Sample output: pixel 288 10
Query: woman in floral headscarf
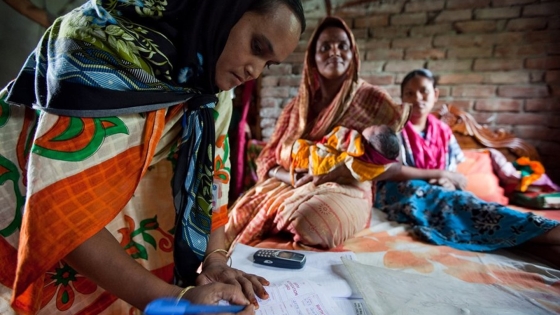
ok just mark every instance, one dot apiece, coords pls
pixel 320 211
pixel 112 88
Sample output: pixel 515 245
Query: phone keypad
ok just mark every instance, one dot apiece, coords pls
pixel 265 253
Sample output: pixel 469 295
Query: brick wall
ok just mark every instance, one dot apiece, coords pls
pixel 497 59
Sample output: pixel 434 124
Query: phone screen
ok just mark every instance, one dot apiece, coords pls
pixel 285 255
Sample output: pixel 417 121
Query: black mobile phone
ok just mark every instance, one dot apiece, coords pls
pixel 279 258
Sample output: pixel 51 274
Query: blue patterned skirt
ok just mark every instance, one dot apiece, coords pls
pixel 457 218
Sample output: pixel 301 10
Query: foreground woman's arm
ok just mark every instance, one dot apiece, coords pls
pixel 103 260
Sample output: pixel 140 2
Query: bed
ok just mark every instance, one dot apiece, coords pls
pixel 387 244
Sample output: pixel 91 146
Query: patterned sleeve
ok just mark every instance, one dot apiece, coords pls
pixel 455 156
pixel 222 164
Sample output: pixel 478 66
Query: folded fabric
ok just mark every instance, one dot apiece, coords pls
pixel 481 180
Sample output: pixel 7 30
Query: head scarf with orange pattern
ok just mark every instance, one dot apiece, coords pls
pixel 356 105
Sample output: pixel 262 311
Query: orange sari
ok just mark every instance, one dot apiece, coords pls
pixel 326 215
pixel 58 187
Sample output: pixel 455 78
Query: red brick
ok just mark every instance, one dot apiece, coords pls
pixel 393 90
pixel 450 65
pixel 385 54
pixel 372 66
pixel 527 119
pixel 507 3
pixel 376 44
pixel 473 91
pixel 302 46
pixel 371 21
pixel 547 36
pixel 409 19
pixel 295 57
pixel 389 32
pixel 424 6
pixel 470 40
pixel 526 24
pixel 484 118
pixel 525 50
pixel 536 76
pixel 551 8
pixel 507 77
pixel 537 132
pixel 467 4
pixel 554 22
pixel 403 66
pixel 552 76
pixel 433 54
pixel 476 26
pixel 548 148
pixel 553 49
pixel 453 15
pixel 277 91
pixel 469 52
pixel 497 13
pixel 388 7
pixel 270 80
pixel 270 112
pixel 555 88
pixel 497 64
pixel 436 29
pixel 417 42
pixel 460 78
pixel 293 80
pixel 361 33
pixel 498 105
pixel 270 102
pixel 543 105
pixel 443 90
pixel 382 79
pixel 267 122
pixel 523 91
pixel 465 105
pixel 281 69
pixel 545 63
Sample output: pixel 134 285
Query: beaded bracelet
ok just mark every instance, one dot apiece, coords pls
pixel 180 296
pixel 219 250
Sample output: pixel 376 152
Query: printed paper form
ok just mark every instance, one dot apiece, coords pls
pixel 323 268
pixel 395 292
pixel 297 297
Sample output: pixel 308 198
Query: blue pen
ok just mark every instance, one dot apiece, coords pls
pixel 169 306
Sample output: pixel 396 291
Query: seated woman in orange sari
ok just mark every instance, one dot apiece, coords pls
pixel 324 210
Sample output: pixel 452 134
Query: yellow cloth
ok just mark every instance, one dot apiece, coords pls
pixel 339 146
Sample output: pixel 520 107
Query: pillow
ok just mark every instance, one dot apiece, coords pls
pixel 481 180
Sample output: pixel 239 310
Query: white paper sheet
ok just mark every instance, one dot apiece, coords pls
pixel 297 296
pixel 323 268
pixel 395 292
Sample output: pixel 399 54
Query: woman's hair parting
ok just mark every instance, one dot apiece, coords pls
pixel 268 6
pixel 418 72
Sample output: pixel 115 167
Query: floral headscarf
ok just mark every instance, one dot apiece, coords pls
pixel 117 57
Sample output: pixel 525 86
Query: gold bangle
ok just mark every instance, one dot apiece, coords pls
pixel 180 296
pixel 219 250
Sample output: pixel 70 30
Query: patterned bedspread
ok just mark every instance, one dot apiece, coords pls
pixel 388 245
